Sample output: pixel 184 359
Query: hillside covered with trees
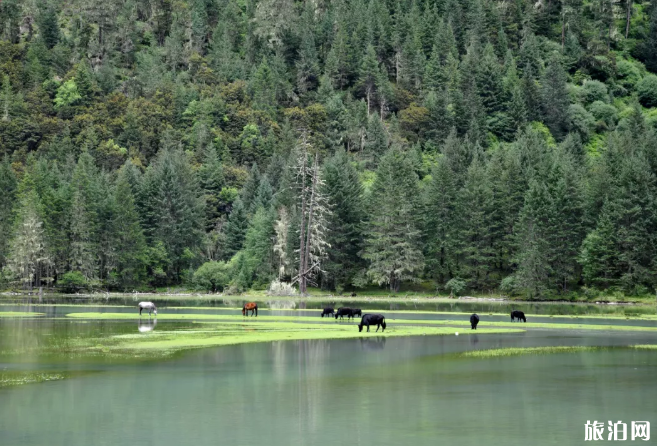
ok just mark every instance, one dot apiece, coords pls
pixel 224 144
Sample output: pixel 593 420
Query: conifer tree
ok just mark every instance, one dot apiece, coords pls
pixel 29 258
pixel 345 236
pixel 441 223
pixel 393 243
pixel 236 229
pixel 555 99
pixel 8 185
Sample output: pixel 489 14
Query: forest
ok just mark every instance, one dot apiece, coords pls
pixel 227 145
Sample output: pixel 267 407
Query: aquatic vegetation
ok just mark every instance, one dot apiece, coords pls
pixel 20 378
pixel 19 314
pixel 514 351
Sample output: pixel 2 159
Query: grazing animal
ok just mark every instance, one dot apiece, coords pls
pixel 474 320
pixel 515 314
pixel 328 311
pixel 356 312
pixel 250 306
pixel 150 306
pixel 372 319
pixel 353 294
pixel 344 311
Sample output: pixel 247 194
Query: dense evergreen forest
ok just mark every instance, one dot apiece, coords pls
pixel 474 145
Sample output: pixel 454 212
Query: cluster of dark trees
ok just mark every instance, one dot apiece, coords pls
pixel 487 144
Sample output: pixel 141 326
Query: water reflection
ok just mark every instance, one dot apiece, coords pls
pixel 374 343
pixel 474 339
pixel 146 326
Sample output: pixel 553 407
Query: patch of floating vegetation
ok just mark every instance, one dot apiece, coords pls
pixel 19 314
pixel 518 351
pixel 464 323
pixel 11 379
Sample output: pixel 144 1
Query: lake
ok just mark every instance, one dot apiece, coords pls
pixel 360 391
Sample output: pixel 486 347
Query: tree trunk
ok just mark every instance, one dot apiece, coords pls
pixel 304 271
pixel 302 239
pixel 627 20
pixel 563 30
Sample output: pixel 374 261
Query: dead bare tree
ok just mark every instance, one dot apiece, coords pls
pixel 312 226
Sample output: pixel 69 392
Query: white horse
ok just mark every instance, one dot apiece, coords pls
pixel 150 306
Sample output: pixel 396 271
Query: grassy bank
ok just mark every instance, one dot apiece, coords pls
pixel 19 314
pixel 323 322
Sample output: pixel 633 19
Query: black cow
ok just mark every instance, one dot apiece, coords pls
pixel 344 311
pixel 372 319
pixel 474 320
pixel 328 311
pixel 356 312
pixel 515 314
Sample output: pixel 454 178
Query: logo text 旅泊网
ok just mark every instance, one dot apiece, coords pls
pixel 616 431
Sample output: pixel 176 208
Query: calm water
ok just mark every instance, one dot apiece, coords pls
pixel 369 391
pixel 411 304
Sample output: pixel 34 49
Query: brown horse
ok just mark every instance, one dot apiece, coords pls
pixel 250 306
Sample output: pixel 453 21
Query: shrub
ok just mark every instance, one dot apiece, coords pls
pixel 594 91
pixel 581 121
pixel 509 285
pixel 628 74
pixel 647 90
pixel 73 281
pixel 211 276
pixel 455 286
pixel 604 112
pixel 278 288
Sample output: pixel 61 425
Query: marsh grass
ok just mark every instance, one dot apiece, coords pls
pixel 19 378
pixel 317 321
pixel 19 314
pixel 517 351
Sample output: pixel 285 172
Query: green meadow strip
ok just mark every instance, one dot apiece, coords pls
pixel 457 323
pixel 267 332
pixel 645 347
pixel 19 314
pixel 504 352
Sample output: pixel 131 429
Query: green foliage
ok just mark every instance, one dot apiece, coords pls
pixel 67 95
pixel 212 276
pixel 455 139
pixel 392 245
pixel 455 286
pixel 647 90
pixel 73 281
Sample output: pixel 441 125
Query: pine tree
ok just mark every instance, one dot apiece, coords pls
pixel 307 64
pixel 534 271
pixel 393 243
pixel 345 237
pixel 235 229
pixel 48 26
pixel 211 177
pixel 8 185
pixel 126 235
pixel 174 206
pixel 368 75
pixel 250 189
pixel 474 209
pixel 29 258
pixel 441 223
pixel 555 100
